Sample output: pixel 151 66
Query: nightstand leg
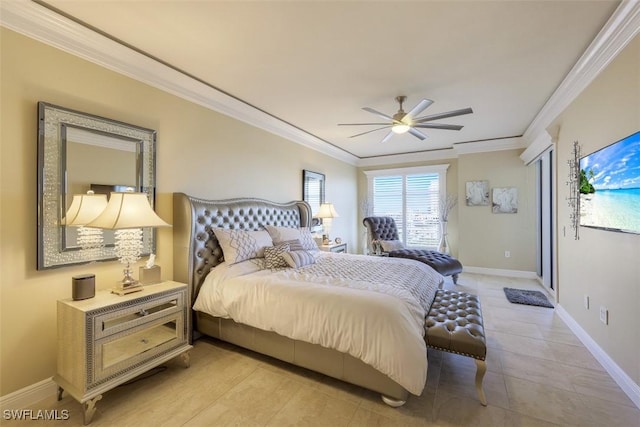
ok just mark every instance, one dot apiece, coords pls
pixel 90 408
pixel 186 358
pixel 60 391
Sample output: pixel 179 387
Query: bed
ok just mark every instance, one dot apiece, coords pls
pixel 393 368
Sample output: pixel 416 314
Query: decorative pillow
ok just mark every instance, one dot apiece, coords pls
pixel 284 234
pixel 273 256
pixel 391 245
pixel 241 245
pixel 294 245
pixel 297 259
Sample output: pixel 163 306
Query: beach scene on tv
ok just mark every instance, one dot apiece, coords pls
pixel 610 187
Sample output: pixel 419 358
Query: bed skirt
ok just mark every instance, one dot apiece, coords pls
pixel 329 362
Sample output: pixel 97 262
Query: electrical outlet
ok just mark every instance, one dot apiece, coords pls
pixel 507 254
pixel 604 315
pixel 586 302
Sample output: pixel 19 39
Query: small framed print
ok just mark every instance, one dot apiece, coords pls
pixel 477 193
pixel 505 200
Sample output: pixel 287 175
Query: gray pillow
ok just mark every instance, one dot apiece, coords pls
pixel 273 256
pixel 297 259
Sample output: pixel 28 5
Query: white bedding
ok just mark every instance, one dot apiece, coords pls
pixel 372 308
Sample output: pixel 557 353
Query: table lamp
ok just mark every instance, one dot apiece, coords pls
pixel 128 213
pixel 327 212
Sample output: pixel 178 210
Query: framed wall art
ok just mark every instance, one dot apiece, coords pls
pixel 477 193
pixel 505 200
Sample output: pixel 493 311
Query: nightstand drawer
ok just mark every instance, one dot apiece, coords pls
pixel 120 320
pixel 118 352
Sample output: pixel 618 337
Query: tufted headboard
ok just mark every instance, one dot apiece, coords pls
pixel 195 247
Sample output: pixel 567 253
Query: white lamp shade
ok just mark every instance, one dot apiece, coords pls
pixel 327 211
pixel 84 208
pixel 127 210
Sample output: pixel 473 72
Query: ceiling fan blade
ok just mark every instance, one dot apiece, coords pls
pixel 388 137
pixel 437 126
pixel 363 124
pixel 443 115
pixel 369 131
pixel 419 108
pixel 415 132
pixel 378 113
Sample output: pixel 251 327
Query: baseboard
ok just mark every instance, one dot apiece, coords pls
pixel 499 272
pixel 28 396
pixel 625 382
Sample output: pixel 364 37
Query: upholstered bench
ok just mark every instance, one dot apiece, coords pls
pixel 383 229
pixel 454 324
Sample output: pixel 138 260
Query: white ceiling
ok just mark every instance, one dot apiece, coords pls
pixel 314 64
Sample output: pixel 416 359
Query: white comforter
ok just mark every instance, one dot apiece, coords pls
pixel 372 308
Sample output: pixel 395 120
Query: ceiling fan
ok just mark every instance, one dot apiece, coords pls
pixel 402 122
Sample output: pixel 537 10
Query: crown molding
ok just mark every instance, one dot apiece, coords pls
pixel 38 22
pixel 536 148
pixel 619 30
pixel 489 145
pixel 420 156
pixel 510 143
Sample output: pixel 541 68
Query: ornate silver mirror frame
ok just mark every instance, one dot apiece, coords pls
pixel 78 152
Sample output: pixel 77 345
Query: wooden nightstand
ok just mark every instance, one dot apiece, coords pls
pixel 109 339
pixel 334 247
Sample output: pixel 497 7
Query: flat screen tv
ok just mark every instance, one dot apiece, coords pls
pixel 610 187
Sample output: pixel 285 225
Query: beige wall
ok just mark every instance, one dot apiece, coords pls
pixel 477 236
pixel 602 264
pixel 485 236
pixel 199 152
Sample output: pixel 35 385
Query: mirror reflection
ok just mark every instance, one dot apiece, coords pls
pixel 116 171
pixel 77 153
pixel 313 192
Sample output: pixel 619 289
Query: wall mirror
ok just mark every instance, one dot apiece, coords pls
pixel 313 192
pixel 78 152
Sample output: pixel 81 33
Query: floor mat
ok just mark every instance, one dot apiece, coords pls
pixel 523 296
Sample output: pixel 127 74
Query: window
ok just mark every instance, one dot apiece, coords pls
pixel 411 196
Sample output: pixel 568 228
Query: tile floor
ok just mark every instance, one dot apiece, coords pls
pixel 539 374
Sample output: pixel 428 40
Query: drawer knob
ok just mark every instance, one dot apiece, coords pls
pixel 144 341
pixel 143 312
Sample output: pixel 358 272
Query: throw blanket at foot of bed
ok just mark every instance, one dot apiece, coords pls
pixel 454 324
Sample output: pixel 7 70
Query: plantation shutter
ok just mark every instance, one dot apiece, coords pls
pixel 388 200
pixel 422 202
pixel 412 199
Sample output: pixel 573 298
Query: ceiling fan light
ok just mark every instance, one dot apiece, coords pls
pixel 400 128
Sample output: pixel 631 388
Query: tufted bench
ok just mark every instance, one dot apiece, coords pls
pixel 454 324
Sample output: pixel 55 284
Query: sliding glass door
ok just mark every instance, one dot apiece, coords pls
pixel 545 218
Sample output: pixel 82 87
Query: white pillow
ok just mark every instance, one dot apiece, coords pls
pixel 297 259
pixel 284 234
pixel 241 245
pixel 391 245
